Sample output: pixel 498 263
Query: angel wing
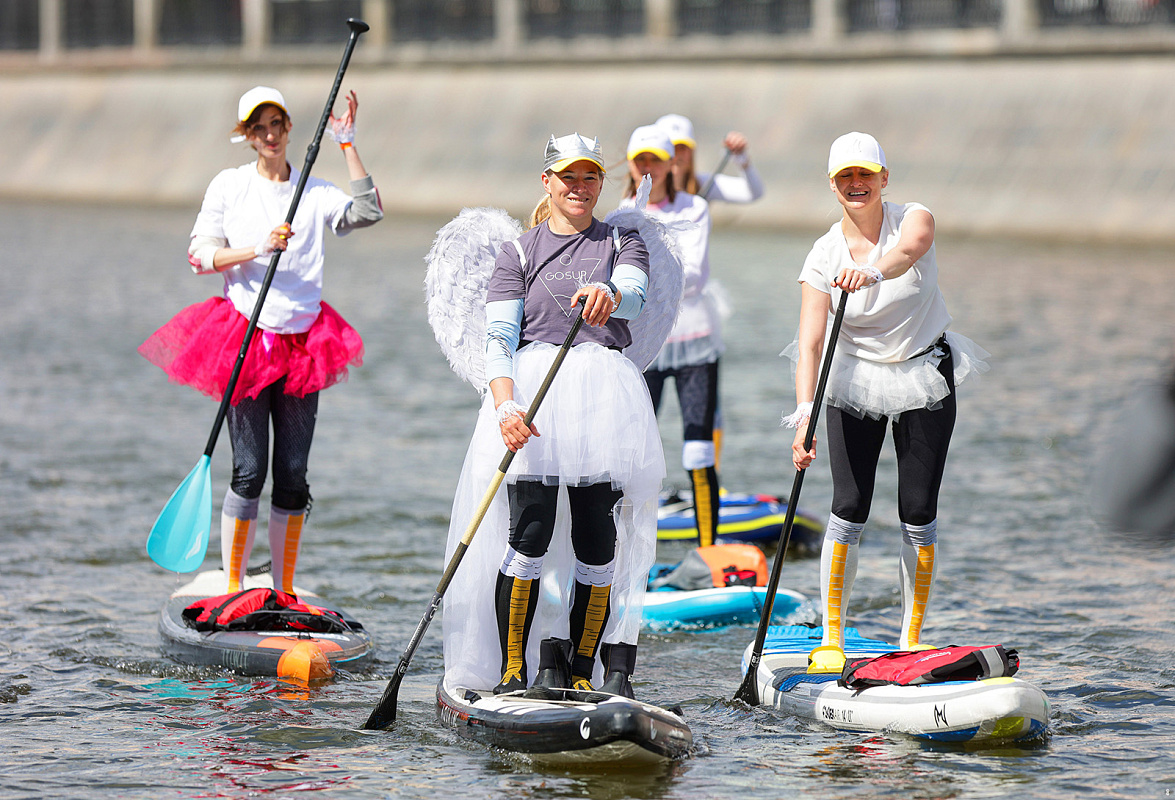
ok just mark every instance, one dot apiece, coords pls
pixel 666 285
pixel 455 285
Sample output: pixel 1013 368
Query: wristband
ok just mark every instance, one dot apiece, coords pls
pixel 874 273
pixel 796 418
pixel 345 145
pixel 263 250
pixel 510 409
pixel 609 291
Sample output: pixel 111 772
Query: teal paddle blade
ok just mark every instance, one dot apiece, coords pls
pixel 179 537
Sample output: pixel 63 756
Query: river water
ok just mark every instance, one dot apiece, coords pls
pixel 93 440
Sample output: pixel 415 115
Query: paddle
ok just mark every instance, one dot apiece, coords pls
pixel 384 713
pixel 748 692
pixel 179 538
pixel 705 193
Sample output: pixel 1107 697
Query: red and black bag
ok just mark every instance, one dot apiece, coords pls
pixel 263 610
pixel 910 668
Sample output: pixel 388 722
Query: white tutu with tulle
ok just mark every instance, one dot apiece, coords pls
pixel 596 424
pixel 874 389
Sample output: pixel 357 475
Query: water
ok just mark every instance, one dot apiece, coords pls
pixel 93 440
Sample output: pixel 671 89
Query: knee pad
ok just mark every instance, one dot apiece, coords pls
pixel 920 535
pixel 843 531
pixel 240 507
pixel 516 565
pixel 697 454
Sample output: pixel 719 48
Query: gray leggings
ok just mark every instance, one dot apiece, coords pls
pixel 293 430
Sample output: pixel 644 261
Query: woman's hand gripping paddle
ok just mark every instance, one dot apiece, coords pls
pixel 384 713
pixel 748 692
pixel 179 538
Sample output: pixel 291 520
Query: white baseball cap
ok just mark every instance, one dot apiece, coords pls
pixel 679 128
pixel 855 150
pixel 650 139
pixel 259 96
pixel 561 153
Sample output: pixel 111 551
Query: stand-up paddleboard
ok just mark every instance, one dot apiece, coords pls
pixel 741 518
pixel 995 709
pixel 721 584
pixel 577 728
pixel 711 608
pixel 282 654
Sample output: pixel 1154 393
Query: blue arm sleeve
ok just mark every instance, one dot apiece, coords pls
pixel 633 283
pixel 503 330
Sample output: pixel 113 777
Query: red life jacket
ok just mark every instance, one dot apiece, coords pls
pixel 905 668
pixel 263 610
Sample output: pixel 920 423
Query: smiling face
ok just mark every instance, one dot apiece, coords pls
pixel 574 192
pixel 268 130
pixel 857 187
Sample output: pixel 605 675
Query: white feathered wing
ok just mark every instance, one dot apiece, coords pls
pixel 666 285
pixel 460 263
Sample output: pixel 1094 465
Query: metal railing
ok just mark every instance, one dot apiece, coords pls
pixel 495 29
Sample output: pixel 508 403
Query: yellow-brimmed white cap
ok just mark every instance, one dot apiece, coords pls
pixel 855 150
pixel 650 139
pixel 259 96
pixel 679 128
pixel 566 150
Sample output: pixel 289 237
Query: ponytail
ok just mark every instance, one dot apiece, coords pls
pixel 541 212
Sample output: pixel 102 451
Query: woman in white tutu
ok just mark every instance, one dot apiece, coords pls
pixel 572 561
pixel 896 364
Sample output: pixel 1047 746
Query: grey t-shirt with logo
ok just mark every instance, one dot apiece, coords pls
pixel 556 267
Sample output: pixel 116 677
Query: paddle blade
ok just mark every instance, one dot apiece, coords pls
pixel 384 713
pixel 179 538
pixel 748 692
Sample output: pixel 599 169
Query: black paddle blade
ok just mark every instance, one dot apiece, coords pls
pixel 384 713
pixel 748 692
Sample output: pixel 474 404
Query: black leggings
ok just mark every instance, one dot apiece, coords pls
pixel 697 392
pixel 921 438
pixel 293 431
pixel 593 529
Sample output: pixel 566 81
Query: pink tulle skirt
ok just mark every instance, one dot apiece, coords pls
pixel 198 347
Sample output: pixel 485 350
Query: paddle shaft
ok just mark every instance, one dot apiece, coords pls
pixel 357 27
pixel 748 692
pixel 705 193
pixel 384 713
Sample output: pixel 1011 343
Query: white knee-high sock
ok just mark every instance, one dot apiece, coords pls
pixel 916 570
pixel 838 570
pixel 285 542
pixel 238 525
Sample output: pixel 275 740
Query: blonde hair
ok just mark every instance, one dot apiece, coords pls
pixel 541 213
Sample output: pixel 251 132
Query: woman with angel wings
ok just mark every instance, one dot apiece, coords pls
pixel 569 547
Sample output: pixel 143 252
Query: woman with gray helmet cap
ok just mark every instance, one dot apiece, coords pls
pixel 303 345
pixel 568 550
pixel 691 354
pixel 896 365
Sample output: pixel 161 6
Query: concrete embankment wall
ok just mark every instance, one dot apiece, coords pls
pixel 1064 148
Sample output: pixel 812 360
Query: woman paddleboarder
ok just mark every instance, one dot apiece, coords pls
pixel 560 564
pixel 713 187
pixel 896 365
pixel 303 345
pixel 690 354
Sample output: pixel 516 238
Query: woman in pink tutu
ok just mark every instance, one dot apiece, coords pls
pixel 302 345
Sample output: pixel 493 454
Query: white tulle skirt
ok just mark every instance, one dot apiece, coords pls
pixel 874 389
pixel 596 425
